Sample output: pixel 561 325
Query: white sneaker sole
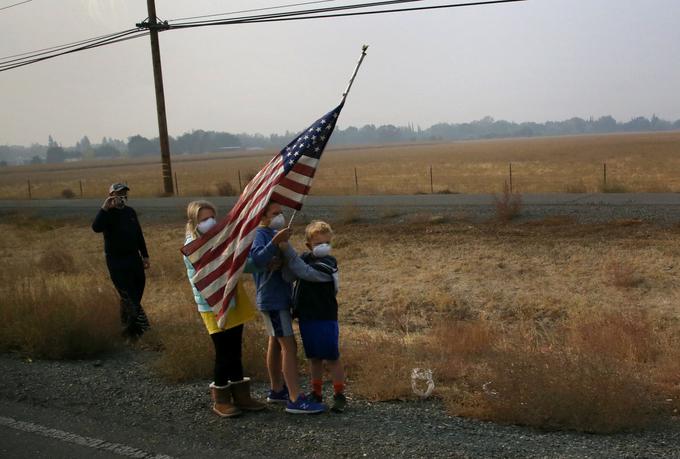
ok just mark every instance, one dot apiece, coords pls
pixel 294 411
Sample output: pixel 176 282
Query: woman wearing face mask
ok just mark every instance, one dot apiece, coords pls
pixel 230 390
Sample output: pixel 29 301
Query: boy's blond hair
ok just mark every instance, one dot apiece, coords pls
pixel 317 227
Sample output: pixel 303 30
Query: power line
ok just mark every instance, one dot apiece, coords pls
pixel 264 17
pixel 16 4
pixel 128 35
pixel 31 57
pixel 251 10
pixel 65 45
pixel 332 12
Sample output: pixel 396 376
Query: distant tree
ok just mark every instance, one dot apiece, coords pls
pixel 51 142
pixel 106 151
pixel 140 146
pixel 3 163
pixel 36 160
pixel 55 154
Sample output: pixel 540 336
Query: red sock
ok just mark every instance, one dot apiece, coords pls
pixel 338 387
pixel 317 385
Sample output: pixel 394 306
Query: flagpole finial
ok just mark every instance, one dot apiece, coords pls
pixel 354 74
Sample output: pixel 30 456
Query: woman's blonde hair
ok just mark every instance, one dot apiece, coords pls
pixel 193 209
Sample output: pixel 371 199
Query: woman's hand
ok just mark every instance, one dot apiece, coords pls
pixel 146 263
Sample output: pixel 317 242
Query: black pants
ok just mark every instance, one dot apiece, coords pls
pixel 228 366
pixel 127 274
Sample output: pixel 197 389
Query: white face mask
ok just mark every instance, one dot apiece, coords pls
pixel 205 225
pixel 120 201
pixel 277 222
pixel 321 250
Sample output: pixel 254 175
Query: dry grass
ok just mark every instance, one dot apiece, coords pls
pixel 519 323
pixel 635 162
pixel 53 316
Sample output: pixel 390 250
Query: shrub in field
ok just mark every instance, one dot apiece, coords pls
pixel 508 205
pixel 56 260
pixel 622 275
pixel 594 374
pixel 557 389
pixel 383 373
pixel 187 353
pixel 226 189
pixel 67 193
pixel 349 213
pixel 613 188
pixel 59 317
pixel 576 187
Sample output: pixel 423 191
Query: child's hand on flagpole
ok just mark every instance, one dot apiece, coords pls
pixel 281 236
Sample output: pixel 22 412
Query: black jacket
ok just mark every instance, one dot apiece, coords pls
pixel 122 232
pixel 316 300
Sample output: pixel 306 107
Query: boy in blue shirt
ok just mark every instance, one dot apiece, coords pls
pixel 274 300
pixel 316 307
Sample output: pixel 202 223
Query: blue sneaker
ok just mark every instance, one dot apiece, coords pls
pixel 278 397
pixel 304 406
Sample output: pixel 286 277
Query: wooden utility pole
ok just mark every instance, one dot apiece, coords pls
pixel 154 26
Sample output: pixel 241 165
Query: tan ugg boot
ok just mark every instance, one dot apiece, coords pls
pixel 222 406
pixel 242 399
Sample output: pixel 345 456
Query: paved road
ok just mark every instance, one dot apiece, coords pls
pixel 595 206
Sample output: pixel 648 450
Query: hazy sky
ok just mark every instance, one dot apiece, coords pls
pixel 533 61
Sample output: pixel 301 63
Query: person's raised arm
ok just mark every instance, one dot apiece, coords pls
pixel 295 267
pixel 262 251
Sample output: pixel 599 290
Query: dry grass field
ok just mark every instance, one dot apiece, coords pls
pixel 550 323
pixel 647 162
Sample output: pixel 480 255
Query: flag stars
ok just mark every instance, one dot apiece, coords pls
pixel 318 129
pixel 323 121
pixel 330 126
pixel 317 149
pixel 335 115
pixel 323 137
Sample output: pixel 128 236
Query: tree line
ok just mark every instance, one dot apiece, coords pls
pixel 199 141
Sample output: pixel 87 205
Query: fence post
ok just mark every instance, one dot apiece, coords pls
pixel 176 184
pixel 81 188
pixel 604 174
pixel 431 182
pixel 240 186
pixel 510 166
pixel 29 189
pixel 356 181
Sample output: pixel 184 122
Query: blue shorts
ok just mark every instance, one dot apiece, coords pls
pixel 320 339
pixel 278 323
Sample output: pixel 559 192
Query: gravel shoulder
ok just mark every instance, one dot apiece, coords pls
pixel 119 398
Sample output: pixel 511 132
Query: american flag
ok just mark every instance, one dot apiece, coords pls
pixel 220 254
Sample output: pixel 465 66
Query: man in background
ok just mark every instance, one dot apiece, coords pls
pixel 126 257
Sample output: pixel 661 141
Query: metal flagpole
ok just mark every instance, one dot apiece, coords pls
pixel 344 97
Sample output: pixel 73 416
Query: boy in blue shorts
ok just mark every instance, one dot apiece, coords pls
pixel 316 307
pixel 274 300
